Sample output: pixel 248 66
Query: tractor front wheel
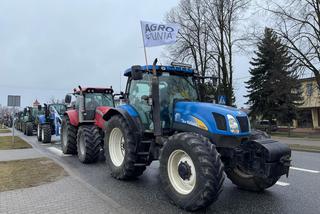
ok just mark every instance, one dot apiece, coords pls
pixel 89 144
pixel 191 171
pixel 249 182
pixel 120 149
pixel 46 133
pixel 68 137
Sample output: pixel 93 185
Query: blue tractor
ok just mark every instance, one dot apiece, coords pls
pixel 49 123
pixel 195 142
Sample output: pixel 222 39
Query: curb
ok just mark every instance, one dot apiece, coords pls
pixel 303 148
pixel 115 206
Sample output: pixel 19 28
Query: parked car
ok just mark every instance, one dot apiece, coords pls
pixel 266 125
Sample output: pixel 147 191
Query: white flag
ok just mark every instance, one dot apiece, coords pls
pixel 158 34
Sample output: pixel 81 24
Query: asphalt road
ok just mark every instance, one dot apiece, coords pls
pixel 300 193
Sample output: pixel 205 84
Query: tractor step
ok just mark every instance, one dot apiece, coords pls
pixel 139 164
pixel 143 153
pixel 145 142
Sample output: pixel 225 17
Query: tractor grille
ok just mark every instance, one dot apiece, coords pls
pixel 220 121
pixel 244 124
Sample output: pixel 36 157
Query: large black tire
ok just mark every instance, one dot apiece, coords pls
pixel 205 164
pixel 39 137
pixel 46 133
pixel 249 182
pixel 89 141
pixel 29 129
pixel 68 137
pixel 127 169
pixel 23 128
pixel 244 180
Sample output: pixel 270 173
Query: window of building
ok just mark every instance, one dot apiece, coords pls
pixel 309 89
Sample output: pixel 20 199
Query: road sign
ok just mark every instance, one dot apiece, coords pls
pixel 222 99
pixel 14 100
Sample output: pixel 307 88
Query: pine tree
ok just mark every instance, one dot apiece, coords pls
pixel 273 88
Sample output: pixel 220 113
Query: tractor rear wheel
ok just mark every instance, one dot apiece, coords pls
pixel 191 171
pixel 249 182
pixel 39 133
pixel 89 141
pixel 68 137
pixel 29 129
pixel 46 133
pixel 120 149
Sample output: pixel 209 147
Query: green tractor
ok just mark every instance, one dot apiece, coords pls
pixel 18 120
pixel 196 142
pixel 28 123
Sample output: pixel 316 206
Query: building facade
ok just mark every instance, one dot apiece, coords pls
pixel 309 111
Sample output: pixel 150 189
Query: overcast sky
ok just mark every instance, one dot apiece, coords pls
pixel 48 47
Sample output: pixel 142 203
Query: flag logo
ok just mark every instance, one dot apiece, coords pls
pixel 158 34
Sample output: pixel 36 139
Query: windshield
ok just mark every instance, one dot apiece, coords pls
pixel 172 87
pixel 93 100
pixel 60 108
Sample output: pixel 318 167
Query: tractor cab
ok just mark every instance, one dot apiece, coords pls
pixel 88 99
pixel 175 84
pixel 58 108
pixel 30 113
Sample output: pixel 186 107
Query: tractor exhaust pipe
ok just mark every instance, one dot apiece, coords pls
pixel 81 105
pixel 156 103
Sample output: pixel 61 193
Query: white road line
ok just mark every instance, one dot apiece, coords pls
pixel 280 183
pixel 304 170
pixel 57 151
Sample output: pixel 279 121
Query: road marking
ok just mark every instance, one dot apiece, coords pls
pixel 280 183
pixel 57 151
pixel 304 170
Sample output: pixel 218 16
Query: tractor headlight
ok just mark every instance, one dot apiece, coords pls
pixel 233 124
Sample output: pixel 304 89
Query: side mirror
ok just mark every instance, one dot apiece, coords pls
pixel 136 72
pixel 39 107
pixel 67 99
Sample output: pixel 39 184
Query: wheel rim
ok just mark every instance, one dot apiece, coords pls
pixel 82 146
pixel 182 184
pixel 116 146
pixel 38 131
pixel 42 134
pixel 242 173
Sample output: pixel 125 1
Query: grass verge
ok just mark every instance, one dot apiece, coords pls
pixel 4 131
pixel 6 143
pixel 28 173
pixel 296 135
pixel 304 148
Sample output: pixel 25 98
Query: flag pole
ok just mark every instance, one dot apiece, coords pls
pixel 145 56
pixel 144 47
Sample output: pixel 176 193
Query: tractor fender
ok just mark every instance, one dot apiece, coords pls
pixel 133 122
pixel 100 112
pixel 73 117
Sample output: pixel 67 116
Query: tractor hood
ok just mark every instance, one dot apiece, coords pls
pixel 210 117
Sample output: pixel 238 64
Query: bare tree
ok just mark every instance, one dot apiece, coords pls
pixel 298 23
pixel 222 21
pixel 192 44
pixel 206 38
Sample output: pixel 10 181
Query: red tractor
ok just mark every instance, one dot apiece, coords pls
pixel 83 123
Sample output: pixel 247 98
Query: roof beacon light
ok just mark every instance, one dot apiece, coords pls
pixel 179 64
